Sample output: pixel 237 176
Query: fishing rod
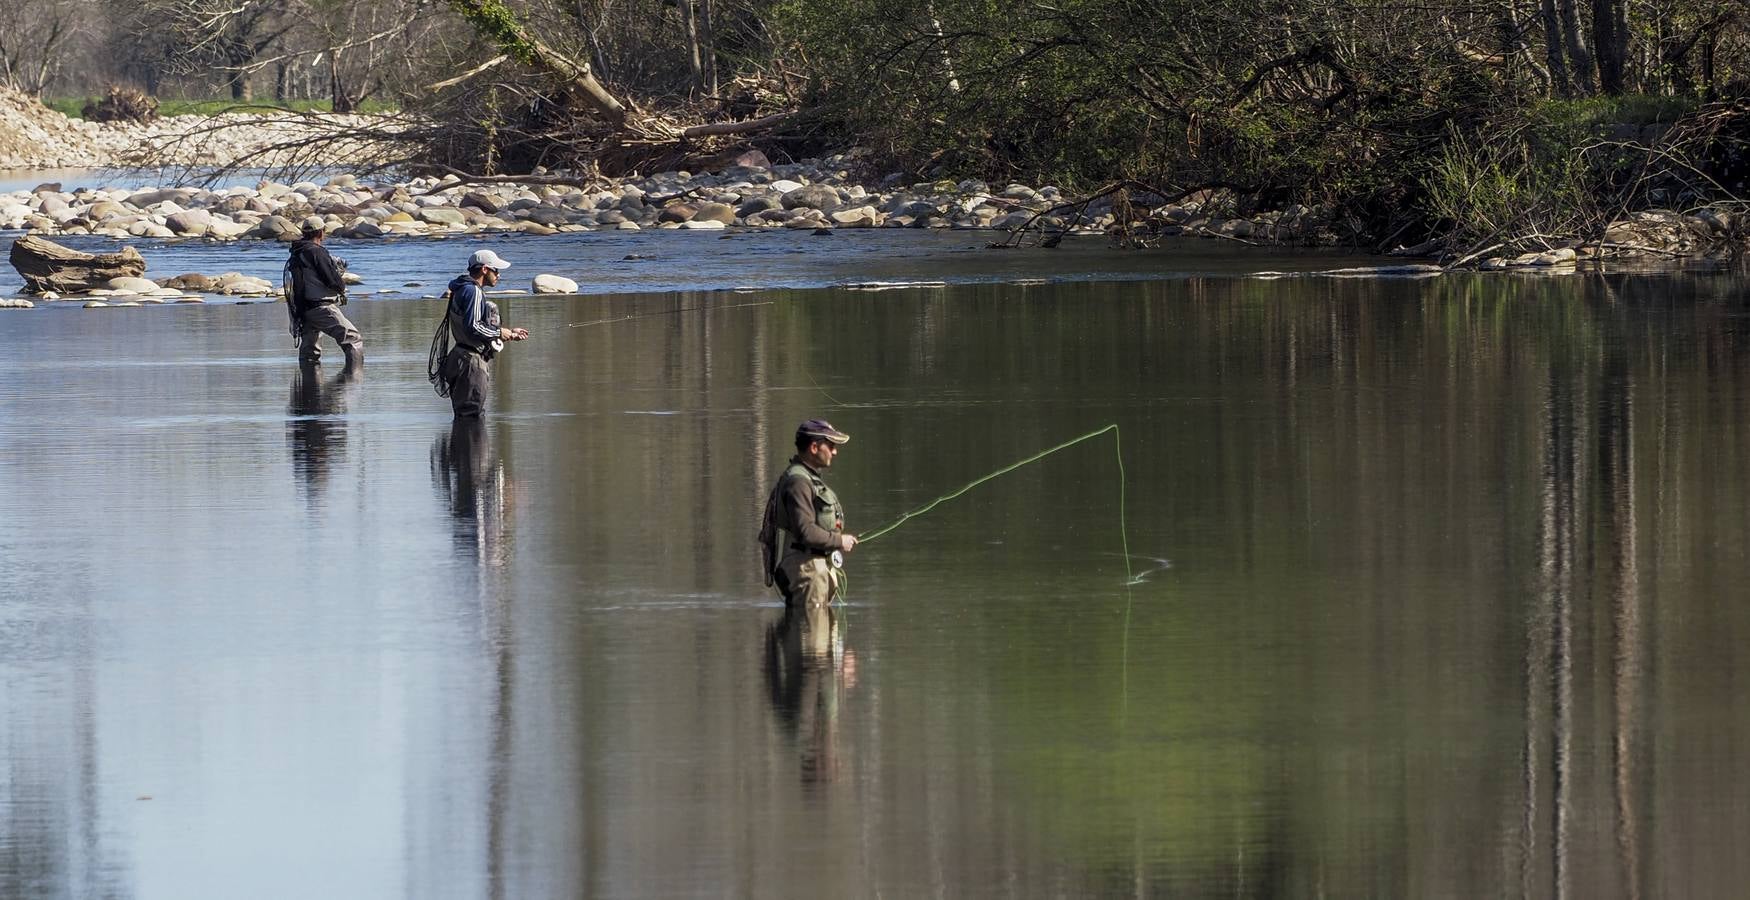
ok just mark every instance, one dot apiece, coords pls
pixel 667 312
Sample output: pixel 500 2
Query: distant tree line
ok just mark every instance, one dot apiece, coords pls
pixel 1380 110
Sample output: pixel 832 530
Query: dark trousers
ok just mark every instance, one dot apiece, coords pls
pixel 470 378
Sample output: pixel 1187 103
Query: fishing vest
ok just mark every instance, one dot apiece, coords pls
pixel 775 540
pixel 828 514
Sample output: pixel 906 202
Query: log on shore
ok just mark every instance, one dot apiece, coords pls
pixel 48 266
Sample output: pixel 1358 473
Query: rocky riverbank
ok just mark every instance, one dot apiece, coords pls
pixel 32 136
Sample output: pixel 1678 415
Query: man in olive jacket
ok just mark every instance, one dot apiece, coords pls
pixel 803 532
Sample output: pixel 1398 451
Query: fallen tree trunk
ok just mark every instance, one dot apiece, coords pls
pixel 48 266
pixel 494 20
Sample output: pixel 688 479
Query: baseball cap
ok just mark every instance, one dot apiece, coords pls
pixel 488 259
pixel 821 428
pixel 313 224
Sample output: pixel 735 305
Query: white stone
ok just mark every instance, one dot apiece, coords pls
pixel 553 284
pixel 132 285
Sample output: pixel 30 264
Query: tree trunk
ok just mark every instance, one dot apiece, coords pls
pixel 496 22
pixel 1574 40
pixel 279 82
pixel 1610 42
pixel 337 95
pixel 708 46
pixel 48 266
pixel 695 58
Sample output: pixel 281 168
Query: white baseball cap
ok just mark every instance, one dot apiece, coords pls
pixel 314 223
pixel 488 259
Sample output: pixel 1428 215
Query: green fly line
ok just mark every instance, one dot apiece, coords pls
pixel 1118 449
pixel 1130 578
pixel 669 312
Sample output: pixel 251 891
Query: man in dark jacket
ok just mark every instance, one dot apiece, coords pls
pixel 317 292
pixel 803 534
pixel 478 335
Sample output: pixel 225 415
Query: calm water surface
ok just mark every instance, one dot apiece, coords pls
pixel 1436 589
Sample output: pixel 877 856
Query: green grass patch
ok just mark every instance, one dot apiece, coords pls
pixel 1629 109
pixel 73 107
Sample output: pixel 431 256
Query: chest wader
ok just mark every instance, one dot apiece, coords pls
pixel 800 572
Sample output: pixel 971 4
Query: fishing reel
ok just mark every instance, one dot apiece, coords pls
pixel 837 559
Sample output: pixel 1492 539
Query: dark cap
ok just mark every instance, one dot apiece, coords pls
pixel 822 429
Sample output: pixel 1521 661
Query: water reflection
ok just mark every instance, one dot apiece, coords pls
pixel 469 477
pixel 316 425
pixel 809 671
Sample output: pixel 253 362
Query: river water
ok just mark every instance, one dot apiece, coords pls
pixel 1435 588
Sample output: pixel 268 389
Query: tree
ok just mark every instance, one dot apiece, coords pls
pixel 36 37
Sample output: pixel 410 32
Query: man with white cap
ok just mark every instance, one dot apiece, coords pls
pixel 474 326
pixel 316 293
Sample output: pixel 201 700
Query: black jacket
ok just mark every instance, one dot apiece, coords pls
pixel 315 277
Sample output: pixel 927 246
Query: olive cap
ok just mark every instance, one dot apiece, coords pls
pixel 821 428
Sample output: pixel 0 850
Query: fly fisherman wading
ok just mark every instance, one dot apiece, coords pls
pixel 803 534
pixel 461 372
pixel 316 293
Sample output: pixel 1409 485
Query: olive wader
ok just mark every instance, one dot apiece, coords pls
pixel 322 318
pixel 806 576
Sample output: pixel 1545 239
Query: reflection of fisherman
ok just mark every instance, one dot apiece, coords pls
pixel 803 532
pixel 808 670
pixel 317 291
pixel 471 481
pixel 460 372
pixel 312 428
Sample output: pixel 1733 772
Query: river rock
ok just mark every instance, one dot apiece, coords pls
pixel 132 285
pixel 704 225
pixel 860 217
pixel 716 212
pixel 442 215
pixel 785 186
pixel 47 266
pixel 535 228
pixel 813 196
pixel 192 281
pixel 222 227
pixel 551 216
pixel 106 209
pixel 481 201
pixel 677 212
pixel 361 228
pixel 192 222
pixel 553 284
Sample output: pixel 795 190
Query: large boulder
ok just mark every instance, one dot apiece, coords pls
pixel 860 217
pixel 442 215
pixel 131 284
pixel 553 284
pixel 481 201
pixel 714 212
pixel 678 212
pixel 550 216
pixel 812 196
pixel 48 266
pixel 192 281
pixel 191 222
